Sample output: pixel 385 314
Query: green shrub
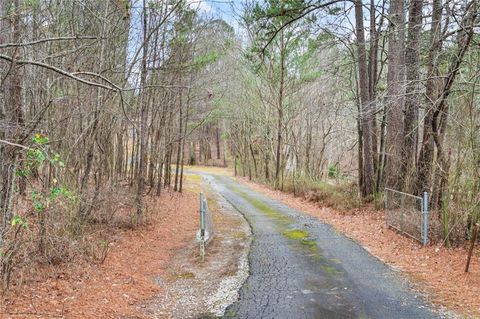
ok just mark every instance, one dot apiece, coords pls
pixel 332 171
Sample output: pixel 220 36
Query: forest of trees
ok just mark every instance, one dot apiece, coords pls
pixel 375 93
pixel 97 96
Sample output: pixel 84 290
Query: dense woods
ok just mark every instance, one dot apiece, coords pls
pixel 101 100
pixel 96 97
pixel 394 81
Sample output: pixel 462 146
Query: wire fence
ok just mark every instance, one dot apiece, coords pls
pixel 206 231
pixel 407 213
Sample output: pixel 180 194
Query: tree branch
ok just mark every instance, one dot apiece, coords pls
pixel 14 144
pixel 26 44
pixel 307 10
pixel 60 71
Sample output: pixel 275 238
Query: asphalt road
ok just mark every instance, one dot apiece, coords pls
pixel 301 268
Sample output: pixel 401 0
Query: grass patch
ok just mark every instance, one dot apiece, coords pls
pixel 341 194
pixel 240 236
pixel 193 183
pixel 193 178
pixel 187 275
pixel 225 171
pixel 230 313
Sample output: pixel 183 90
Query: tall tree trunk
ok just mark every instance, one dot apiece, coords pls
pixel 372 81
pixel 395 95
pixel 425 160
pixel 368 183
pixel 412 95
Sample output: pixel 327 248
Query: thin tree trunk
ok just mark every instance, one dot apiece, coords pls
pixel 14 117
pixel 142 105
pixel 86 203
pixel 179 144
pixel 184 138
pixel 280 109
pixel 217 136
pixel 440 116
pixel 254 161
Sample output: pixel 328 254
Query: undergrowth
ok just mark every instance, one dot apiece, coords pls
pixel 335 193
pixel 46 228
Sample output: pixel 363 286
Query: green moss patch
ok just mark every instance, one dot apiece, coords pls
pixel 264 208
pixel 330 269
pixel 296 234
pixel 302 237
pixel 270 212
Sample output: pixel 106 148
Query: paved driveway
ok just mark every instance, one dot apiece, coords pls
pixel 301 268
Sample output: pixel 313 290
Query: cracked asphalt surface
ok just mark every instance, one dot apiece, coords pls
pixel 302 268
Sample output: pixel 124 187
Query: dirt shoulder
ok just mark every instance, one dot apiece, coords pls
pixel 434 270
pixel 195 289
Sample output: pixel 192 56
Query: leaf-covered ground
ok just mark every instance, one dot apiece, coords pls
pixel 116 288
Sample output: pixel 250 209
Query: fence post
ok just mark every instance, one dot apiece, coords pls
pixel 425 218
pixel 402 210
pixel 202 227
pixel 385 206
pixel 202 215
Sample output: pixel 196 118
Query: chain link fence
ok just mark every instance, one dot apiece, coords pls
pixel 205 233
pixel 407 213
